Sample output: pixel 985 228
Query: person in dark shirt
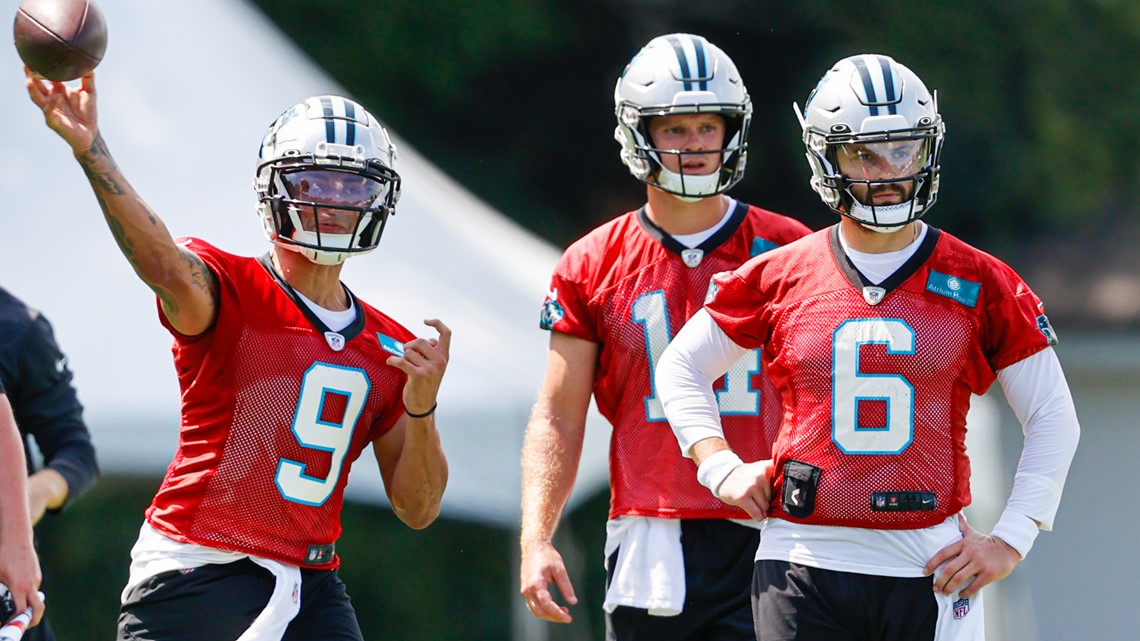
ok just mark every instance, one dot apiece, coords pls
pixel 35 373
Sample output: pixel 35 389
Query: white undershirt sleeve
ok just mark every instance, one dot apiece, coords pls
pixel 699 355
pixel 1036 389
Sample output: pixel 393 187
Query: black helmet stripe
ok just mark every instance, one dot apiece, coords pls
pixel 330 124
pixel 702 64
pixel 890 100
pixel 331 118
pixel 350 123
pixel 701 60
pixel 868 85
pixel 889 84
pixel 683 60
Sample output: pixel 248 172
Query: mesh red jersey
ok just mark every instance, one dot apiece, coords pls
pixel 630 287
pixel 876 381
pixel 274 412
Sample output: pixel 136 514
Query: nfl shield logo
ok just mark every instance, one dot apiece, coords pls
pixel 692 257
pixel 336 341
pixel 874 295
pixel 961 608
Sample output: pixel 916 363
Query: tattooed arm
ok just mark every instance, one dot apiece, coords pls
pixel 184 285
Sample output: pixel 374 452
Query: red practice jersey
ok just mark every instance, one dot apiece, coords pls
pixel 630 287
pixel 275 408
pixel 876 380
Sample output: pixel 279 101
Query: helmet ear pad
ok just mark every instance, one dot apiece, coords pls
pixel 369 235
pixel 283 225
pixel 370 232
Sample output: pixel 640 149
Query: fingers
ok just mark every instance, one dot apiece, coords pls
pixel 41 91
pixel 967 579
pixel 424 354
pixel 747 487
pixel 36 602
pixel 542 605
pixel 944 555
pixel 25 600
pixel 972 563
pixel 444 342
pixel 753 508
pixel 422 351
pixel 541 602
pixel 542 566
pixel 954 574
pixel 68 111
pixel 963 524
pixel 756 503
pixel 36 90
pixel 562 580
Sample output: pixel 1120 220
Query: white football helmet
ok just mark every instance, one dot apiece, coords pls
pixel 880 114
pixel 681 74
pixel 326 181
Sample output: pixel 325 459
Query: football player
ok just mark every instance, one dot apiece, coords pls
pixel 876 332
pixel 286 378
pixel 616 298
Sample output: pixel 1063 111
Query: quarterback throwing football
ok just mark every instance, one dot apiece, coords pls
pixel 286 378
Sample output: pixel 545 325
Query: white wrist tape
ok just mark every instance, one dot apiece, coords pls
pixel 716 468
pixel 1018 530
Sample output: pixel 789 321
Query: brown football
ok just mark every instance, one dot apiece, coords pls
pixel 60 39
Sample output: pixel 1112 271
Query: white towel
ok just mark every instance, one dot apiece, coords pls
pixel 284 603
pixel 649 571
pixel 154 553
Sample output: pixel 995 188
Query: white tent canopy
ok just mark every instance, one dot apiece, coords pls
pixel 186 91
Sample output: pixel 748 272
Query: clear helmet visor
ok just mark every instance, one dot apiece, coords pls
pixel 885 160
pixel 882 173
pixel 336 188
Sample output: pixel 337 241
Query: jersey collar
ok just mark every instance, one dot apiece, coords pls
pixel 709 245
pixel 875 293
pixel 348 333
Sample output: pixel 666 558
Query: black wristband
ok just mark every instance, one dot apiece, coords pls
pixel 427 413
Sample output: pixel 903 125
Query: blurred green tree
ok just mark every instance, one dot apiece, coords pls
pixel 514 98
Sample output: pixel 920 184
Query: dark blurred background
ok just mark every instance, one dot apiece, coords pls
pixel 514 99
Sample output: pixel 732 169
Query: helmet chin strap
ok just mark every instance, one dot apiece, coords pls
pixel 688 188
pixel 316 256
pixel 891 217
pixel 882 229
pixel 323 249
